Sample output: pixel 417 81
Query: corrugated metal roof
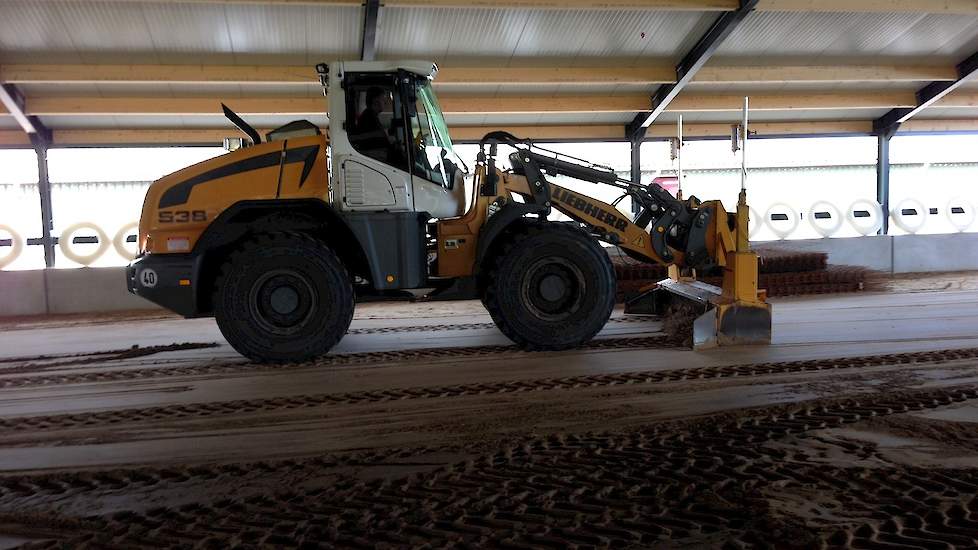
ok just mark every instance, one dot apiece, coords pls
pixel 165 32
pixel 855 35
pixel 161 32
pixel 29 27
pixel 565 36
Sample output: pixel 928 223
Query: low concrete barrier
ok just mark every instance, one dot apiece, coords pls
pixel 55 291
pixel 102 289
pixel 922 253
pixel 22 293
pixel 894 254
pixel 874 253
pixel 91 289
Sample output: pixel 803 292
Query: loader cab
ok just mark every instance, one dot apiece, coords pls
pixel 390 144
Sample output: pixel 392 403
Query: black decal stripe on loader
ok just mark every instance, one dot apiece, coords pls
pixel 180 193
pixel 307 155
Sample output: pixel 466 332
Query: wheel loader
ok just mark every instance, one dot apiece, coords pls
pixel 278 238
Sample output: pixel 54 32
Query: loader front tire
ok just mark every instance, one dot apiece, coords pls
pixel 550 287
pixel 283 297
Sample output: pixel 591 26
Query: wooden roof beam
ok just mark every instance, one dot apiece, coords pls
pixel 471 75
pixel 462 104
pixel 214 136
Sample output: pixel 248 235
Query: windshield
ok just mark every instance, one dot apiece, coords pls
pixel 438 144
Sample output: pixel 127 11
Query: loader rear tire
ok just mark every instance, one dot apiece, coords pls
pixel 283 297
pixel 550 287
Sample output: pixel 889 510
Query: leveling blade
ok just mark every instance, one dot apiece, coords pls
pixel 733 324
pixel 719 321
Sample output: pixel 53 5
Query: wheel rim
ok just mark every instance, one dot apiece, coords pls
pixel 282 301
pixel 553 288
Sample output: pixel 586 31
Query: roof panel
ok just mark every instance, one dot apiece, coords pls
pixel 555 33
pixel 332 32
pixel 177 29
pixel 857 35
pixel 562 36
pixel 440 33
pixel 867 34
pixel 942 35
pixel 27 28
pixel 264 29
pixel 643 33
pixel 105 27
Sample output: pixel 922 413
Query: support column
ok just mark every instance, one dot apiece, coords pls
pixel 44 190
pixel 883 176
pixel 40 136
pixel 636 160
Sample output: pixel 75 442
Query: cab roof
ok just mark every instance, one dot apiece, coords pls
pixel 423 68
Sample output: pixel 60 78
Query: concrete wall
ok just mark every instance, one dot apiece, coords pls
pixel 54 291
pixel 872 252
pixel 104 288
pixel 22 293
pixel 900 254
pixel 920 253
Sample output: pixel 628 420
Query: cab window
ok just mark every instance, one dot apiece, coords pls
pixel 375 124
pixel 433 156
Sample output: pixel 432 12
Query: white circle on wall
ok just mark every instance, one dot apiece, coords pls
pixel 865 216
pixel 754 222
pixel 825 227
pixel 782 219
pixel 14 250
pixel 121 245
pixel 65 243
pixel 961 213
pixel 909 215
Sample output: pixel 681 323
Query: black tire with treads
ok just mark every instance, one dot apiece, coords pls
pixel 283 297
pixel 550 286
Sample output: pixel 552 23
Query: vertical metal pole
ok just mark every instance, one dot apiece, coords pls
pixel 44 190
pixel 679 160
pixel 636 163
pixel 743 212
pixel 883 178
pixel 743 148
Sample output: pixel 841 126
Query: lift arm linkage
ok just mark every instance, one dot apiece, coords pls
pixel 666 231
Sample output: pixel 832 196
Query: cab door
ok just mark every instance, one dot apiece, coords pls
pixel 373 168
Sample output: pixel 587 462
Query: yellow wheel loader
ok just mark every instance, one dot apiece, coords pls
pixel 278 238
